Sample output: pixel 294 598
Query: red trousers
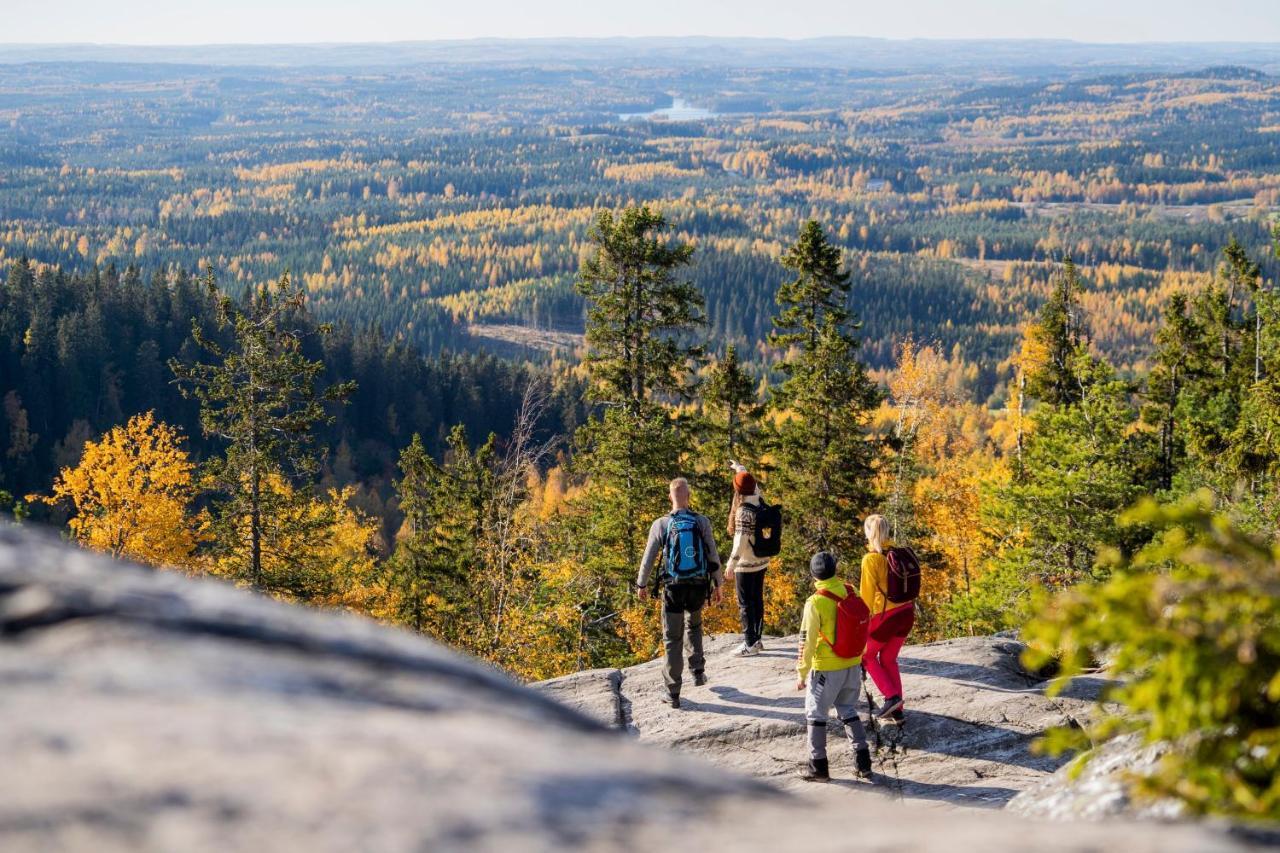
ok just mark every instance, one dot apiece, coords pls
pixel 888 631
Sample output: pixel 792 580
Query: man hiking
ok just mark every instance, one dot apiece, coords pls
pixel 690 576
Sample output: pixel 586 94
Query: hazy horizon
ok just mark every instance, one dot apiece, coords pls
pixel 142 23
pixel 834 37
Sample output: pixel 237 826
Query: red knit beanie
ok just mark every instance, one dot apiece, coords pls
pixel 744 484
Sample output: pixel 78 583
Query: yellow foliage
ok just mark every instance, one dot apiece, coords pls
pixel 333 568
pixel 132 493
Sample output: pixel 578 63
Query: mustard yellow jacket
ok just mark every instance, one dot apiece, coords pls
pixel 875 582
pixel 820 621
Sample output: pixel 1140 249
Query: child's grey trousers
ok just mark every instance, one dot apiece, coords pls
pixel 838 688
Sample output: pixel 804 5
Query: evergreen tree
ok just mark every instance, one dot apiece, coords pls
pixel 1060 329
pixel 260 398
pixel 414 570
pixel 1080 473
pixel 1252 458
pixel 825 461
pixel 1213 402
pixel 1179 360
pixel 640 361
pixel 638 310
pixel 733 411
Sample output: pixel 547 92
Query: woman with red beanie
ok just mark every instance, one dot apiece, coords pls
pixel 743 565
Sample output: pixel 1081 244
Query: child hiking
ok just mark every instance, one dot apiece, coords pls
pixel 832 634
pixel 889 586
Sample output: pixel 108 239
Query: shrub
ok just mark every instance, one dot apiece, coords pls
pixel 1190 628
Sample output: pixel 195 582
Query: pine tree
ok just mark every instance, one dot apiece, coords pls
pixel 733 429
pixel 1080 473
pixel 637 311
pixel 825 461
pixel 260 398
pixel 414 570
pixel 640 361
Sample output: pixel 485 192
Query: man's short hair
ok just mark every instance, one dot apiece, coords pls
pixel 679 483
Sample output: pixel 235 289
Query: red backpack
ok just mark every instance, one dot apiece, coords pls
pixel 852 621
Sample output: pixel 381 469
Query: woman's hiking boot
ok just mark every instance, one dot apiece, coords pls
pixel 862 758
pixel 699 678
pixel 816 771
pixel 892 710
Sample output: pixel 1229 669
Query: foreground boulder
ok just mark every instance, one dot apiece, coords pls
pixel 146 711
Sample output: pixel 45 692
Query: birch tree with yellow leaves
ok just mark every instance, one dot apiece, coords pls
pixel 131 495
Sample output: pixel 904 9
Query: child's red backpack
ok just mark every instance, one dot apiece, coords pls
pixel 852 621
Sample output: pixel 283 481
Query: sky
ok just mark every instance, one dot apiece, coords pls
pixel 285 21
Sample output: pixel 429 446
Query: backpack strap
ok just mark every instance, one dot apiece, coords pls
pixel 828 594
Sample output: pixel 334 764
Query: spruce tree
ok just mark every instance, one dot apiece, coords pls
pixel 1060 328
pixel 825 461
pixel 733 411
pixel 640 360
pixel 1179 361
pixel 414 572
pixel 260 398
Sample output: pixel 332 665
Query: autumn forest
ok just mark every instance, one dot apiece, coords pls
pixel 427 342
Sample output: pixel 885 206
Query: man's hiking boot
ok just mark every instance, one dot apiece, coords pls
pixel 892 706
pixel 862 758
pixel 699 678
pixel 675 700
pixel 745 651
pixel 816 771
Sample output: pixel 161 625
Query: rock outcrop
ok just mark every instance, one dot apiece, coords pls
pixel 973 716
pixel 145 711
pixel 1099 790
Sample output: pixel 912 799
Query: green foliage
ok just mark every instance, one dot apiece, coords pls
pixel 1079 472
pixel 1179 361
pixel 1060 327
pixel 259 398
pixel 637 309
pixel 733 412
pixel 824 457
pixel 639 360
pixel 448 510
pixel 1190 627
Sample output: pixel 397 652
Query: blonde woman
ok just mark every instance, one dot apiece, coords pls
pixel 888 590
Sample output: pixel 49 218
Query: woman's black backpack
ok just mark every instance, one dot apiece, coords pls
pixel 767 539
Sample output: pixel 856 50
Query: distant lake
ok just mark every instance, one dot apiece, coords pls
pixel 680 110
